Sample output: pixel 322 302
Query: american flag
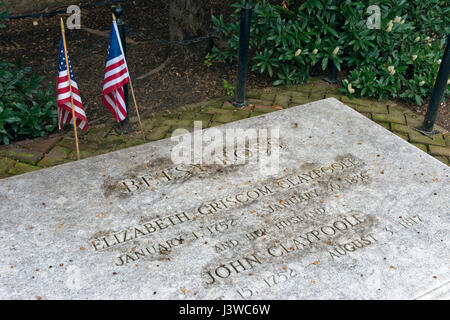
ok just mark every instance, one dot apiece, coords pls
pixel 63 99
pixel 116 76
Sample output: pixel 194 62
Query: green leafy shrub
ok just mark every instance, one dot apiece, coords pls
pixel 229 89
pixel 25 109
pixel 3 15
pixel 398 59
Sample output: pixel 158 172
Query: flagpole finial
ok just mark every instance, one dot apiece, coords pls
pixel 62 24
pixel 117 10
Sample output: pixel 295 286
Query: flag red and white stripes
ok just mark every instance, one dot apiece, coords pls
pixel 63 98
pixel 116 76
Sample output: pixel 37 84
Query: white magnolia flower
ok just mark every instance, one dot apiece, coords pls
pixel 335 51
pixel 427 39
pixel 421 83
pixel 346 81
pixel 298 52
pixel 417 39
pixel 414 57
pixel 448 81
pixel 402 22
pixel 391 70
pixel 315 51
pixel 398 19
pixel 390 25
pixel 439 61
pixel 350 89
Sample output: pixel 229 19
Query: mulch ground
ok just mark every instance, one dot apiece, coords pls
pixel 183 81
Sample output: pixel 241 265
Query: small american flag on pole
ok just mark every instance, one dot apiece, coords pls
pixel 63 98
pixel 116 76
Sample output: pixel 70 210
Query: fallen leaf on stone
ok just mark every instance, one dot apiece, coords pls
pixel 316 262
pixel 184 291
pixel 393 267
pixel 277 107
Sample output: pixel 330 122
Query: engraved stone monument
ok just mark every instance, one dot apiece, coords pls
pixel 352 212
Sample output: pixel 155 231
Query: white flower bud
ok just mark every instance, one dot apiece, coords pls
pixel 417 39
pixel 335 51
pixel 421 83
pixel 390 25
pixel 439 61
pixel 391 70
pixel 315 51
pixel 350 89
pixel 398 19
pixel 298 52
pixel 414 57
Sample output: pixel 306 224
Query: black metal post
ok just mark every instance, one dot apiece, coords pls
pixel 333 74
pixel 438 92
pixel 333 77
pixel 124 126
pixel 244 41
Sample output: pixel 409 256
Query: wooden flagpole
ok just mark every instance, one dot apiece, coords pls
pixel 132 91
pixel 74 119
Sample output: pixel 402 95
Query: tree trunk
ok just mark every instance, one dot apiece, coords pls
pixel 188 19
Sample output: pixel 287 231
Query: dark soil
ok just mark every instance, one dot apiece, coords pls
pixel 185 80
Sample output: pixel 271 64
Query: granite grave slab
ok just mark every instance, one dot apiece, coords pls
pixel 353 212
